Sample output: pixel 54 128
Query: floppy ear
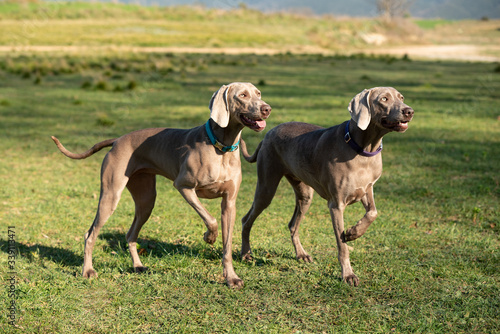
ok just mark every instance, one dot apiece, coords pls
pixel 359 107
pixel 219 109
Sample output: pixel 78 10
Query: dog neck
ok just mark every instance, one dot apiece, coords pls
pixel 366 149
pixel 214 131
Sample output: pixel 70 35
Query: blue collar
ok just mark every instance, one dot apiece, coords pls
pixel 356 147
pixel 217 143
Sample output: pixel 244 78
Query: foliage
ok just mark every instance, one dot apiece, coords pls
pixel 106 24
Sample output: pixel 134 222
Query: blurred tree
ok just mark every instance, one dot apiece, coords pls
pixel 394 8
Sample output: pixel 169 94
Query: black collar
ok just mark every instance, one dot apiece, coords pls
pixel 356 147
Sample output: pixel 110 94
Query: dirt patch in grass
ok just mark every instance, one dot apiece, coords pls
pixel 463 52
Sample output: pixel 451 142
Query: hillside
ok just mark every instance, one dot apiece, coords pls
pixel 85 27
pixel 445 9
pixel 75 23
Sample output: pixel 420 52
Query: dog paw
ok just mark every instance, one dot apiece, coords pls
pixel 352 280
pixel 235 283
pixel 350 235
pixel 141 269
pixel 89 273
pixel 210 237
pixel 305 257
pixel 247 257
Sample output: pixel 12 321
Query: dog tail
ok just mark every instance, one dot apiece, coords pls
pixel 96 148
pixel 248 157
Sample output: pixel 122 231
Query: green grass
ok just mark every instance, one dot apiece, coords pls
pixel 106 24
pixel 429 263
pixel 116 24
pixel 90 28
pixel 431 24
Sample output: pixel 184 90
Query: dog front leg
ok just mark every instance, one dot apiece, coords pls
pixel 228 216
pixel 362 225
pixel 190 196
pixel 337 214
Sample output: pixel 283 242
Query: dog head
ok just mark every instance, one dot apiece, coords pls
pixel 239 102
pixel 382 106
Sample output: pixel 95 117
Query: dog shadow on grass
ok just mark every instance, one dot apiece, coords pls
pixel 116 244
pixel 34 252
pixel 183 247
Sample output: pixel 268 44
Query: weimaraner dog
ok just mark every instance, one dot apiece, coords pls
pixel 342 163
pixel 202 162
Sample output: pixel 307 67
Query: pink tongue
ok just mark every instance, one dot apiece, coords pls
pixel 261 124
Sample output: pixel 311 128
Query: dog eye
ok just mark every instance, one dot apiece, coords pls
pixel 243 95
pixel 384 99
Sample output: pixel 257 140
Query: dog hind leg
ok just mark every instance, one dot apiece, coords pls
pixel 303 198
pixel 142 187
pixel 112 184
pixel 269 177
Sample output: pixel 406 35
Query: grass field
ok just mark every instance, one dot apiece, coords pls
pixel 108 24
pixel 428 264
pixel 79 25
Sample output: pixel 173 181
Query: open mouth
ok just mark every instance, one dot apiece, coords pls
pixel 399 126
pixel 256 125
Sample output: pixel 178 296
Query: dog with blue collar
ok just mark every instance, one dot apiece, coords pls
pixel 202 162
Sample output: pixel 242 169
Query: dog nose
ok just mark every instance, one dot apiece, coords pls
pixel 265 109
pixel 408 112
